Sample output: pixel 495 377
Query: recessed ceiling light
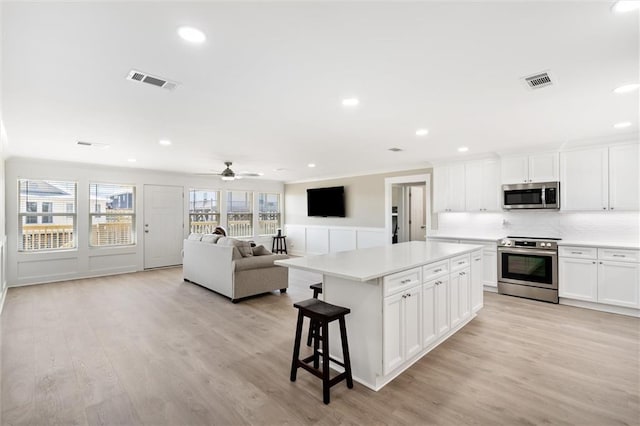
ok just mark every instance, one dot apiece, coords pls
pixel 311 165
pixel 623 6
pixel 131 160
pixel 192 35
pixel 627 88
pixel 422 132
pixel 622 125
pixel 164 142
pixel 350 102
pixel 463 149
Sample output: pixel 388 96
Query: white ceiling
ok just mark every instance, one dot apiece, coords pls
pixel 265 89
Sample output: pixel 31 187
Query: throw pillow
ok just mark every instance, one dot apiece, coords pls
pixel 194 236
pixel 211 238
pixel 244 247
pixel 261 251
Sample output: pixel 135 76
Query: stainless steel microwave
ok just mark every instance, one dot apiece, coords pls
pixel 542 195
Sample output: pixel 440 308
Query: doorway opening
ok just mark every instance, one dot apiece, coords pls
pixel 408 208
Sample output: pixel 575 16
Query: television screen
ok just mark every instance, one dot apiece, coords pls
pixel 326 202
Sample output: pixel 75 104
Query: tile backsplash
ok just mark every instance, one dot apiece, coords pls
pixel 584 226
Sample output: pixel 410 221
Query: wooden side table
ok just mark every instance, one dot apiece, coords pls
pixel 279 244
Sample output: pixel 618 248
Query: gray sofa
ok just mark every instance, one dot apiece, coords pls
pixel 223 268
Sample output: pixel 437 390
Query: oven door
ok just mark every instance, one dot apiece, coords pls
pixel 537 268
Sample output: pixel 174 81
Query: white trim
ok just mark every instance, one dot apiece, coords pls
pixel 388 182
pixel 418 168
pixel 299 244
pixel 600 307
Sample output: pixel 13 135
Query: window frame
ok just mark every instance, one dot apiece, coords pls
pixel 107 214
pixel 27 215
pixel 249 195
pixel 260 212
pixel 191 213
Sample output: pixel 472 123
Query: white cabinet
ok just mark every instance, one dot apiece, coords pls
pixel 578 279
pixel 435 309
pixel 489 262
pixel 482 186
pixel 584 183
pixel 619 283
pixel 459 293
pixel 540 167
pixel 624 178
pixel 476 280
pixel 449 188
pixel 602 178
pixel 612 282
pixel 402 329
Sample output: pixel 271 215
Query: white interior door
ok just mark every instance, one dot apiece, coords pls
pixel 163 225
pixel 417 225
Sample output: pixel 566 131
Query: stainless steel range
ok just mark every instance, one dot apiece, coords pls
pixel 528 267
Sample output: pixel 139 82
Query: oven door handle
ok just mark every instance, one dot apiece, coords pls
pixel 526 251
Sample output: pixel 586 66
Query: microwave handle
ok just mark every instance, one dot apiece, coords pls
pixel 544 195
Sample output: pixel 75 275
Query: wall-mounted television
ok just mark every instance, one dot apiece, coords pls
pixel 326 202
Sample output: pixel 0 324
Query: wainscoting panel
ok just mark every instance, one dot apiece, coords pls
pixel 47 270
pixel 314 239
pixel 112 264
pixel 342 239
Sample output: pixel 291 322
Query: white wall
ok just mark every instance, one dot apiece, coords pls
pixel 3 144
pixel 623 227
pixel 36 267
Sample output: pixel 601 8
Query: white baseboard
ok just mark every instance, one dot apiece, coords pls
pixel 3 296
pixel 601 307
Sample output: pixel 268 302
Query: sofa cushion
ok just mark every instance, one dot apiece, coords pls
pixel 261 251
pixel 194 236
pixel 211 238
pixel 244 247
pixel 256 262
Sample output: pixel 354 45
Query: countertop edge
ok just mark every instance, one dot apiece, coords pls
pixel 626 246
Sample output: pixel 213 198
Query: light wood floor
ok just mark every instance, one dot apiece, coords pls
pixel 148 348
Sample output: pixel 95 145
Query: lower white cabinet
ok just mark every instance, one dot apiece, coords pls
pixel 435 308
pixel 585 274
pixel 477 280
pixel 490 266
pixel 402 327
pixel 459 284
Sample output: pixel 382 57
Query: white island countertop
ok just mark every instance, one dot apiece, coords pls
pixel 375 262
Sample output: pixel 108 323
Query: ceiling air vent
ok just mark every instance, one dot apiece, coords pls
pixel 539 80
pixel 93 144
pixel 151 79
pixel 394 149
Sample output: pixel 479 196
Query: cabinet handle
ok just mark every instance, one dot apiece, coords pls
pixel 593 263
pixel 601 263
pixel 461 262
pixel 477 260
pixel 619 255
pixel 438 282
pixel 604 208
pixel 408 294
pixel 437 270
pixel 611 208
pixel 576 252
pixel 462 273
pixel 404 296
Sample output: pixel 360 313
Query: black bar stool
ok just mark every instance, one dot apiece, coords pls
pixel 317 289
pixel 322 314
pixel 279 244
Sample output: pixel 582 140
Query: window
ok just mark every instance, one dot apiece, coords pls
pixel 204 211
pixel 47 207
pixel 268 213
pixel 56 230
pixel 32 207
pixel 112 213
pixel 240 213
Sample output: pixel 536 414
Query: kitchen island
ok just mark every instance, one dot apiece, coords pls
pixel 405 300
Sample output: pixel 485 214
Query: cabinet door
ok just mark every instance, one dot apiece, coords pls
pixel 619 283
pixel 584 183
pixel 473 186
pixel 443 305
pixel 491 187
pixel 578 279
pixel 456 187
pixel 515 169
pixel 490 267
pixel 454 299
pixel 440 189
pixel 476 281
pixel 624 178
pixel 393 332
pixel 544 167
pixel 465 294
pixel 429 313
pixel 413 322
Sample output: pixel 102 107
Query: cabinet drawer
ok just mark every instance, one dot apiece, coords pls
pixel 578 252
pixel 460 262
pixel 619 255
pixel 401 280
pixel 434 270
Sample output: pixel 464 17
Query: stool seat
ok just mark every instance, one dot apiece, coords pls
pixel 321 314
pixel 317 309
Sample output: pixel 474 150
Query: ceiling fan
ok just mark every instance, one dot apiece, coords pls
pixel 228 174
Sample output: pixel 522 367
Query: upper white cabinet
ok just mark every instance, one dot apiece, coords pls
pixel 482 186
pixel 541 167
pixel 600 179
pixel 449 188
